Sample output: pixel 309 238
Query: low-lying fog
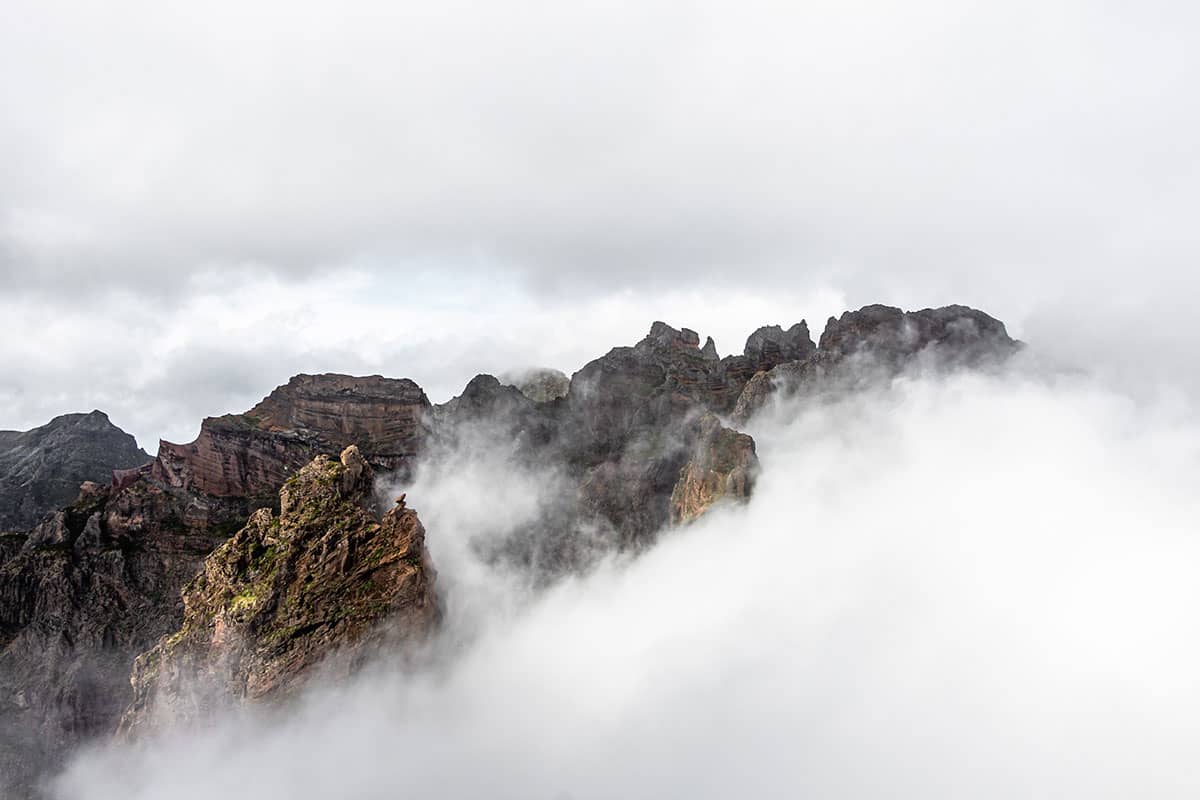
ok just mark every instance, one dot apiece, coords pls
pixel 966 587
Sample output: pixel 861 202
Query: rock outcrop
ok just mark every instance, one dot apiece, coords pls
pixel 91 587
pixel 636 433
pixel 383 416
pixel 636 426
pixel 723 464
pixel 41 469
pixel 251 454
pixel 326 577
pixel 878 342
pixel 97 583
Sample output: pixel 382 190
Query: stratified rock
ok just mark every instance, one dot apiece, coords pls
pixel 383 416
pixel 41 469
pixel 286 593
pixel 878 342
pixel 235 456
pixel 251 454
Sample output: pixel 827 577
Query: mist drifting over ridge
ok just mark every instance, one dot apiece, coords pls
pixel 933 585
pixel 953 586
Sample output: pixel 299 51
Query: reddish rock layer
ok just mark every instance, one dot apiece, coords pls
pixel 251 454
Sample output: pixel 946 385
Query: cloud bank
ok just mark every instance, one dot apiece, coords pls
pixel 167 163
pixel 977 586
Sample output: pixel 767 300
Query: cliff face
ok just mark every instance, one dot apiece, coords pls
pixel 636 432
pixel 41 469
pixel 87 590
pixel 99 582
pixel 639 428
pixel 325 577
pixel 722 465
pixel 384 416
pixel 251 454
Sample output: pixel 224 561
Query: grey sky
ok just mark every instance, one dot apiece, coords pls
pixel 198 200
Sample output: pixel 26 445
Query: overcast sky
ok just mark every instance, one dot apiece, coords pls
pixel 199 200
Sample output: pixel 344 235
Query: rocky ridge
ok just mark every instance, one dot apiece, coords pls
pixel 234 556
pixel 878 342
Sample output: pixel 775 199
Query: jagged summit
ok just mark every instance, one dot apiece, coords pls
pixel 877 342
pixel 772 344
pixel 248 553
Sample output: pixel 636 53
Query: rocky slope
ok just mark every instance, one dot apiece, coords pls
pixel 89 588
pixel 41 469
pixel 99 582
pixel 248 555
pixel 286 593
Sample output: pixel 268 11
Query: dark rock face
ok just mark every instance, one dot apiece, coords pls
pixel 287 592
pixel 632 430
pixel 90 587
pixel 636 433
pixel 772 345
pixel 878 342
pixel 41 469
pixel 954 335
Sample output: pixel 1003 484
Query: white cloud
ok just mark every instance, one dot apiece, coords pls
pixel 978 587
pixel 1036 160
